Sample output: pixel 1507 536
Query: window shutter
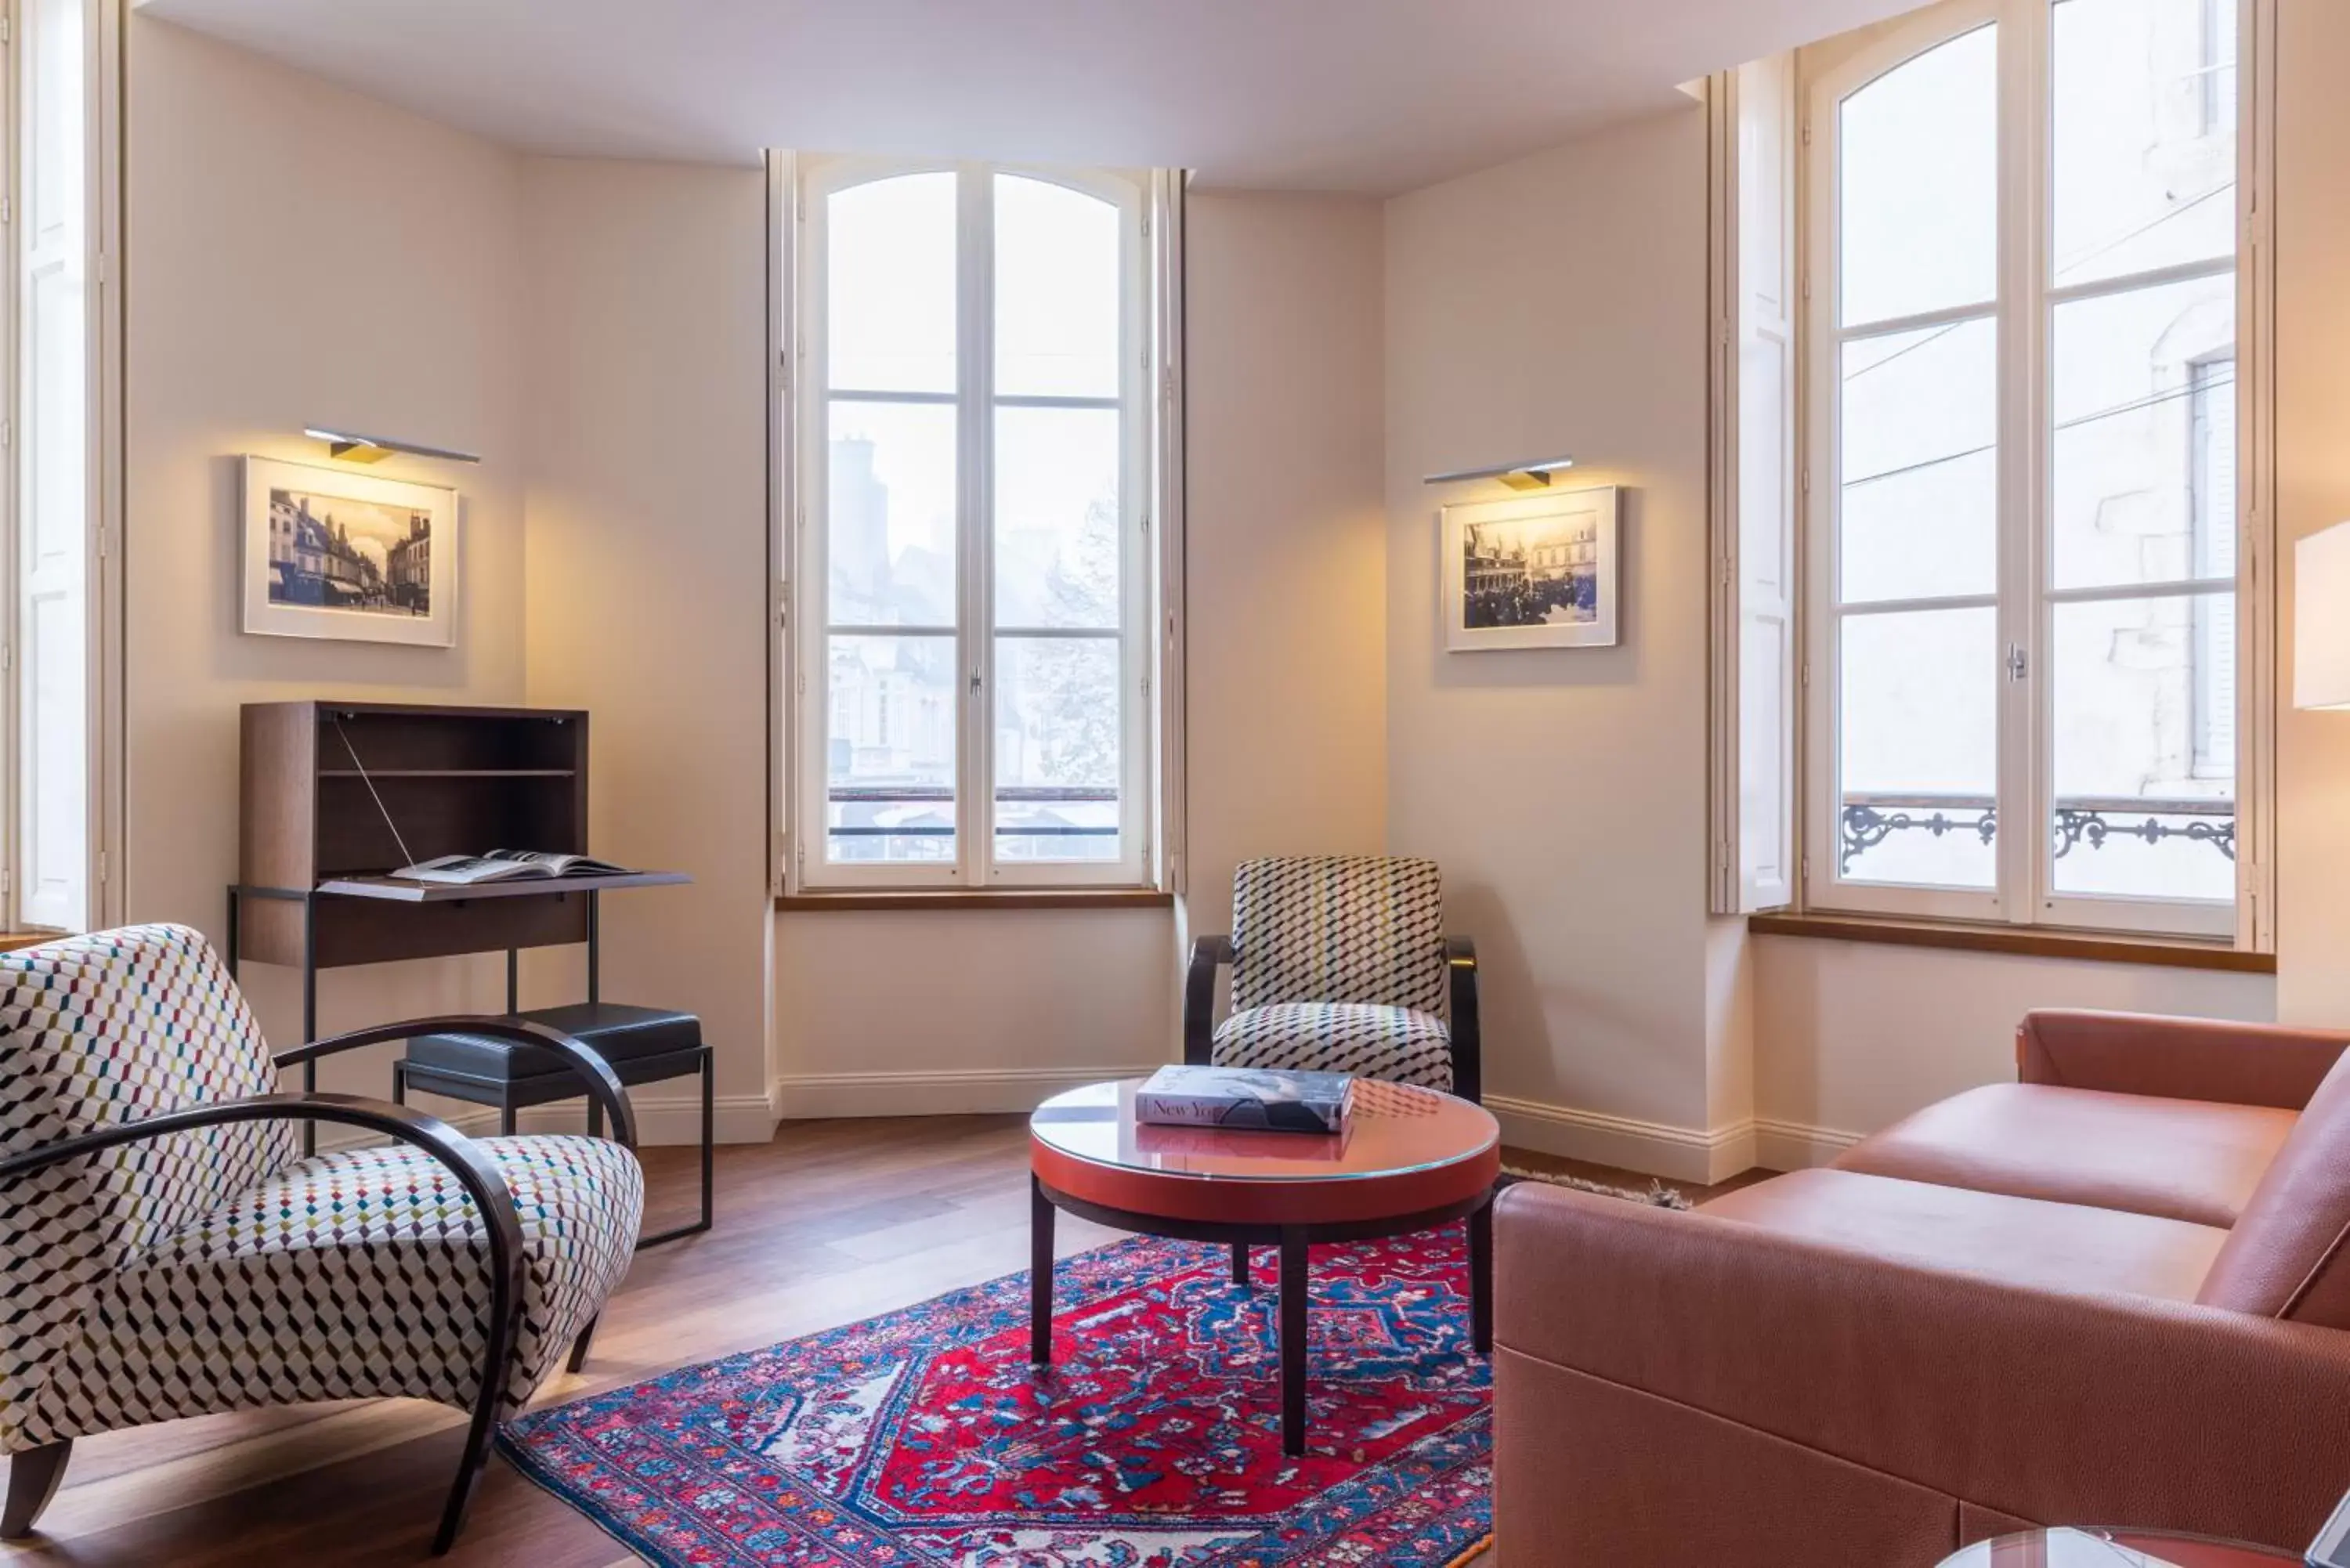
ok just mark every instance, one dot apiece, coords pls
pixel 1753 523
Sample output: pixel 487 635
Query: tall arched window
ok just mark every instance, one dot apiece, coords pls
pixel 975 443
pixel 2022 462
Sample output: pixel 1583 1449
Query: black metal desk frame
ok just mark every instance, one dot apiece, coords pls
pixel 482 1091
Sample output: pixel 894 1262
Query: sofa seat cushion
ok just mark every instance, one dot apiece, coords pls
pixel 2025 1241
pixel 2175 1159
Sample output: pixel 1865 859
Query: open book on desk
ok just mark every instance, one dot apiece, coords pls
pixel 505 866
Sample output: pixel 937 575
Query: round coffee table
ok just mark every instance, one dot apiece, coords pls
pixel 1410 1159
pixel 2095 1548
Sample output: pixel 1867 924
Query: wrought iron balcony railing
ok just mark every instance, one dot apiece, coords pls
pixel 1028 796
pixel 1868 820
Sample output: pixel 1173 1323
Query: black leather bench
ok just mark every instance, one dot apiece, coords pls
pixel 643 1046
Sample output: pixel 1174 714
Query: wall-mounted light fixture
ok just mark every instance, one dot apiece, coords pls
pixel 1516 475
pixel 352 447
pixel 2321 619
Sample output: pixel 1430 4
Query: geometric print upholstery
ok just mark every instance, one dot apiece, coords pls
pixel 1399 1044
pixel 358 1274
pixel 1360 928
pixel 97 1030
pixel 217 1269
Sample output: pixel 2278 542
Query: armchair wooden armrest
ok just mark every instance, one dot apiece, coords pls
pixel 1468 1048
pixel 1207 955
pixel 604 1086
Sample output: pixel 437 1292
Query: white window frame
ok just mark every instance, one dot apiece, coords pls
pixel 2024 892
pixel 85 888
pixel 1149 636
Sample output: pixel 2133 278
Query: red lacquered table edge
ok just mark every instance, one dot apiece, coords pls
pixel 1290 1213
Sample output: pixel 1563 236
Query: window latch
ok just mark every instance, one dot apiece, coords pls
pixel 974 682
pixel 2018 663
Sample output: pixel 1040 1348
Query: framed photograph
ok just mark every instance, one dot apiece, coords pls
pixel 348 556
pixel 1534 571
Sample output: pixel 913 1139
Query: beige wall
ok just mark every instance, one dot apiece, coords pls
pixel 298 254
pixel 647 593
pixel 1557 305
pixel 1851 1037
pixel 2313 493
pixel 1286 574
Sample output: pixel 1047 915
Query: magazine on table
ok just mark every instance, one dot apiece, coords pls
pixel 505 866
pixel 1250 1098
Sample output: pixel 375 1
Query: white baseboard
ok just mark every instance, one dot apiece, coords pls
pixel 1659 1149
pixel 806 1096
pixel 1653 1148
pixel 1792 1146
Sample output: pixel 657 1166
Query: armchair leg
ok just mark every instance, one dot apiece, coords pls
pixel 34 1477
pixel 579 1347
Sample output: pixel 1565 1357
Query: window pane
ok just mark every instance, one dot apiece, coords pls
pixel 890 749
pixel 1919 183
pixel 1918 742
pixel 1058 729
pixel 1056 291
pixel 2143 399
pixel 1921 464
pixel 890 284
pixel 2144 96
pixel 1056 517
pixel 2144 717
pixel 890 533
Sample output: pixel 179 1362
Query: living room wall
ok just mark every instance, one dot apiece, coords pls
pixel 646 596
pixel 298 254
pixel 1556 305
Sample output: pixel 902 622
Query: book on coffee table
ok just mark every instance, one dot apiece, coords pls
pixel 1254 1099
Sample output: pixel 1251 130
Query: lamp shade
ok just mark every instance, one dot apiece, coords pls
pixel 2321 619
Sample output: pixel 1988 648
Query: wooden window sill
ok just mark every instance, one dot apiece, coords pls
pixel 2174 952
pixel 11 941
pixel 1009 898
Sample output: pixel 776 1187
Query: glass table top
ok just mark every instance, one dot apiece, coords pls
pixel 2092 1548
pixel 1395 1129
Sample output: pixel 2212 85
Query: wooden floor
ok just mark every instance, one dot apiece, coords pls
pixel 831 1223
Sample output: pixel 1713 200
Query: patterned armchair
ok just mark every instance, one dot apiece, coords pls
pixel 168 1252
pixel 1339 964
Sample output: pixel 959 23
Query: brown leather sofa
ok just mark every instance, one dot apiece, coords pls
pixel 2116 1291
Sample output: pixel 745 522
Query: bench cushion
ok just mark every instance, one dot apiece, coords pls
pixel 2194 1160
pixel 619 1033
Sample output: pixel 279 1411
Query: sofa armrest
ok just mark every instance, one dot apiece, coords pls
pixel 2035 1404
pixel 2178 1058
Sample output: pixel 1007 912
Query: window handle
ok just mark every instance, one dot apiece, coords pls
pixel 2018 663
pixel 974 682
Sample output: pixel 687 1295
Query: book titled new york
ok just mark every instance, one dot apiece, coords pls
pixel 1251 1099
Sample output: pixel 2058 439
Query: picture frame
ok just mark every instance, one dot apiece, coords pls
pixel 353 557
pixel 1533 571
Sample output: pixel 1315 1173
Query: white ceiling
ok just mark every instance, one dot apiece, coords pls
pixel 1362 95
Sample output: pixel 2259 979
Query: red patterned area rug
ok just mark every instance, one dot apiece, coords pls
pixel 1154 1442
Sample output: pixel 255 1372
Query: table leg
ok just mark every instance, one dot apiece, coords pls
pixel 1481 1279
pixel 1240 1263
pixel 1040 1275
pixel 1292 1342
